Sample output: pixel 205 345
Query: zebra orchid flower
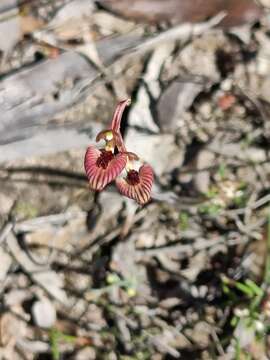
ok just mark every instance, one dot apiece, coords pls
pixel 137 185
pixel 104 165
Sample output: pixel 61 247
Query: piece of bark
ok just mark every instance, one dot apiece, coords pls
pixel 30 98
pixel 49 142
pixel 9 24
pixel 180 11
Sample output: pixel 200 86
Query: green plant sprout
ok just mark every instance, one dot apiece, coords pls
pixel 114 281
pixel 183 220
pixel 251 317
pixel 56 337
pixel 210 208
pixel 222 171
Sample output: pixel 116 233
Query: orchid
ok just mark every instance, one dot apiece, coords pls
pixel 137 184
pixel 102 166
pixel 105 165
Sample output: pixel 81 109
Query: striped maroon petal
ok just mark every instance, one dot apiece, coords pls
pixel 137 185
pixel 117 116
pixel 102 167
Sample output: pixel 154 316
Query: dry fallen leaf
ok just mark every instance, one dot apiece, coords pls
pixel 179 11
pixel 174 101
pixel 28 23
pixel 11 330
pixel 71 24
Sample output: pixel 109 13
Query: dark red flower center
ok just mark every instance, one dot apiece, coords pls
pixel 104 158
pixel 133 177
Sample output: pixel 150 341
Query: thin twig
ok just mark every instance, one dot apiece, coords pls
pixel 5 231
pixel 259 203
pixel 181 32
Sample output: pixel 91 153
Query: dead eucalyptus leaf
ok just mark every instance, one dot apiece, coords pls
pixel 180 11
